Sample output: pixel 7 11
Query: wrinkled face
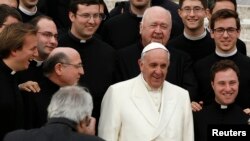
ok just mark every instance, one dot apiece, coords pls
pixel 47 38
pixel 27 53
pixel 156 27
pixel 75 68
pixel 192 14
pixel 154 67
pixel 225 86
pixel 9 20
pixel 84 26
pixel 140 3
pixel 225 42
pixel 29 3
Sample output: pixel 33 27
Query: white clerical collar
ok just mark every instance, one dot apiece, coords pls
pixel 221 54
pixel 38 63
pixel 197 37
pixel 13 72
pixel 139 16
pixel 30 13
pixel 148 87
pixel 223 106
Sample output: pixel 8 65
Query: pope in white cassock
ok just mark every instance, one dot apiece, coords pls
pixel 147 108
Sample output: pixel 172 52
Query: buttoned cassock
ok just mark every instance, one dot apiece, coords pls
pixel 128 113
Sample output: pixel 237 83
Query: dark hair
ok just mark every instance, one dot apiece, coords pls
pixel 203 2
pixel 224 14
pixel 74 4
pixel 6 11
pixel 50 63
pixel 223 65
pixel 212 3
pixel 35 20
pixel 13 36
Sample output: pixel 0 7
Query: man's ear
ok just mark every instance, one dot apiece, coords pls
pixel 58 68
pixel 71 16
pixel 212 84
pixel 13 52
pixel 141 26
pixel 81 127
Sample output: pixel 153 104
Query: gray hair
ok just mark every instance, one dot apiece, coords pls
pixel 71 102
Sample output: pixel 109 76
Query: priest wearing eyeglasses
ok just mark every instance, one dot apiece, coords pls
pixel 225 30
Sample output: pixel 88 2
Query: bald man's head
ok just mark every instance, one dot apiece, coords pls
pixel 64 55
pixel 66 50
pixel 63 66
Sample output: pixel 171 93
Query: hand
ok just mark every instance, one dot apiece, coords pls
pixel 247 111
pixel 29 86
pixel 87 126
pixel 196 106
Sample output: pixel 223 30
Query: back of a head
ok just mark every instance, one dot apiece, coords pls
pixel 71 102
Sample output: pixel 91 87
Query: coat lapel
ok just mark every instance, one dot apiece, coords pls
pixel 167 108
pixel 144 104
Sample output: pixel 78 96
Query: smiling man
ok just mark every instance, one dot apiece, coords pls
pixel 195 39
pixel 225 30
pixel 47 41
pixel 99 57
pixel 223 110
pixel 63 67
pixel 147 107
pixel 18 47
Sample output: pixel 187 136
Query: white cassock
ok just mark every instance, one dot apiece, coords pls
pixel 129 114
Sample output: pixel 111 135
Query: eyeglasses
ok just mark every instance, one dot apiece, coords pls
pixel 196 9
pixel 49 35
pixel 230 31
pixel 80 65
pixel 97 16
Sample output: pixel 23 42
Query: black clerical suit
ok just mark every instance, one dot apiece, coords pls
pixel 122 30
pixel 37 103
pixel 98 60
pixel 11 103
pixel 180 71
pixel 200 48
pixel 197 49
pixel 202 71
pixel 177 25
pixel 27 18
pixel 57 129
pixel 215 114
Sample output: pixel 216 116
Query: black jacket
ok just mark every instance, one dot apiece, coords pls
pixel 57 129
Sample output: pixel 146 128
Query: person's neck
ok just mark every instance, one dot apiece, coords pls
pixel 226 53
pixel 195 37
pixel 25 9
pixel 10 63
pixel 137 11
pixel 55 79
pixel 194 32
pixel 74 33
